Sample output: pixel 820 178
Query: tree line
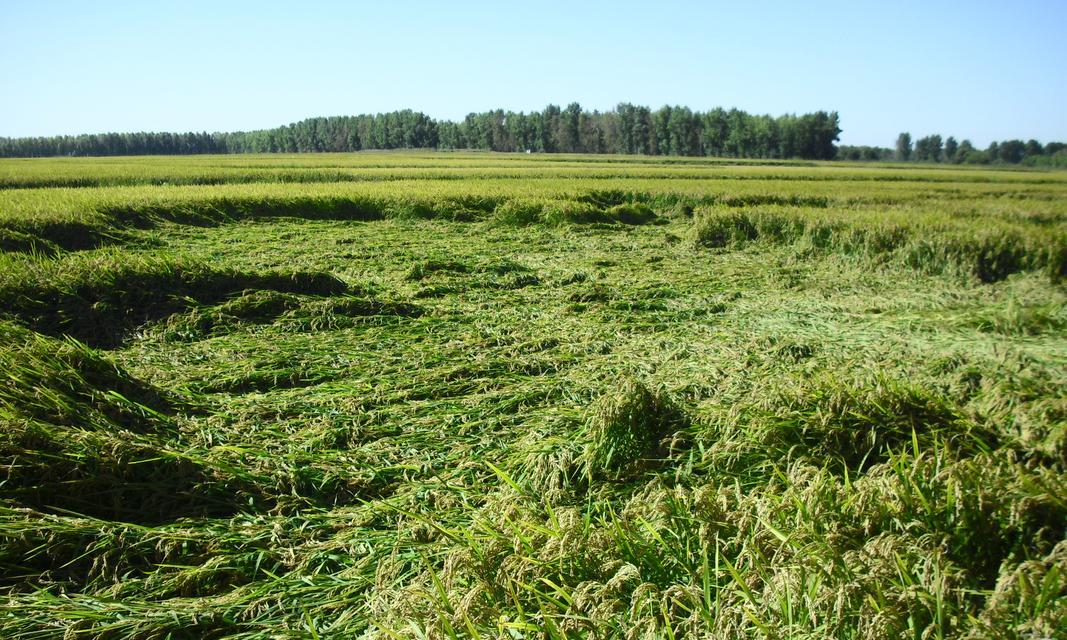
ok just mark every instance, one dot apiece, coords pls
pixel 630 129
pixel 934 148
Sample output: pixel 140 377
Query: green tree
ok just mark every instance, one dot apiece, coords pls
pixel 928 149
pixel 951 149
pixel 903 147
pixel 1011 151
pixel 570 128
pixel 714 132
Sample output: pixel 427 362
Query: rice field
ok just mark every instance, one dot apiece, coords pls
pixel 461 395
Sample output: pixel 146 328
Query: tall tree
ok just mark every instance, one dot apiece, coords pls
pixel 928 149
pixel 904 147
pixel 675 130
pixel 951 148
pixel 570 128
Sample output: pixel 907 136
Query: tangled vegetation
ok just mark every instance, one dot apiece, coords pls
pixel 488 396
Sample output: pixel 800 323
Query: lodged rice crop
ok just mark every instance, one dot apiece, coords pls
pixel 415 395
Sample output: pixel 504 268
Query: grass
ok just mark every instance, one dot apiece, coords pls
pixel 474 395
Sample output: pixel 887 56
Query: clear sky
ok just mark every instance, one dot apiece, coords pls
pixel 974 69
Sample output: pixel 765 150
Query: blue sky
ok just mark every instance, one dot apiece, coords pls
pixel 978 70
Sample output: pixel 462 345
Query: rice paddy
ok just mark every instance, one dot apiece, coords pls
pixel 458 395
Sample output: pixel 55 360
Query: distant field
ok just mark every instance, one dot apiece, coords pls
pixel 459 395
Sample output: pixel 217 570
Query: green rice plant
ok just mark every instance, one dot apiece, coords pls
pixel 296 313
pixel 635 213
pixel 82 434
pixel 972 507
pixel 561 212
pixel 1014 319
pixel 65 382
pixel 1029 600
pixel 627 427
pixel 846 420
pixel 426 268
pixel 858 422
pixel 21 242
pixel 725 230
pixel 989 256
pixel 100 298
pixel 557 212
pixel 518 212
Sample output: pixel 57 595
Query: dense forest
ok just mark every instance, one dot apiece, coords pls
pixel 933 148
pixel 625 129
pixel 629 129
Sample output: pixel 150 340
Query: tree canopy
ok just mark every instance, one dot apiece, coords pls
pixel 628 129
pixel 931 148
pixel 631 129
